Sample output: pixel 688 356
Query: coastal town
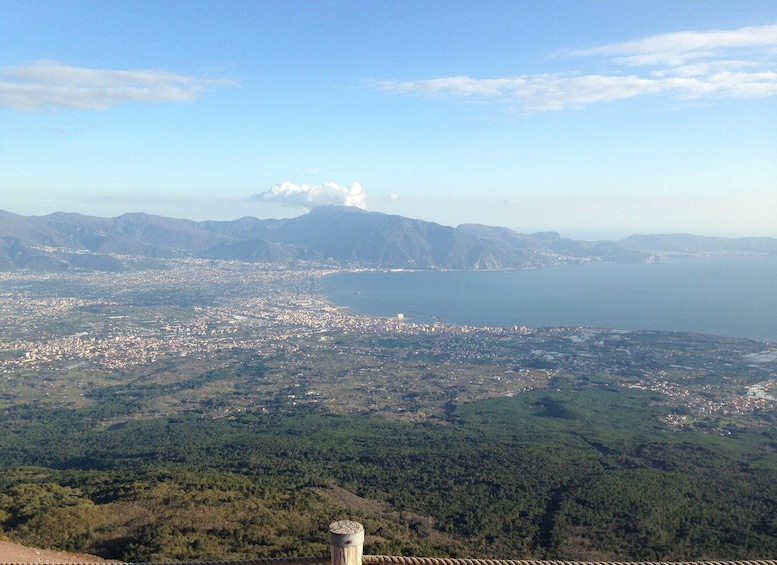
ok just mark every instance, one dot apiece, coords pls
pixel 220 337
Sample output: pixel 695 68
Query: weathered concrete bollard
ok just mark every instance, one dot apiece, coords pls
pixel 346 542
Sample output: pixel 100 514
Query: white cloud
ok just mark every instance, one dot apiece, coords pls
pixel 676 49
pixel 688 65
pixel 51 84
pixel 550 91
pixel 307 197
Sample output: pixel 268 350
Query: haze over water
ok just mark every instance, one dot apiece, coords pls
pixel 734 297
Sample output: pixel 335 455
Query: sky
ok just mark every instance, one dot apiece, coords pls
pixel 593 118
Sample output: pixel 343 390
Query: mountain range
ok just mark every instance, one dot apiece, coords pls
pixel 341 236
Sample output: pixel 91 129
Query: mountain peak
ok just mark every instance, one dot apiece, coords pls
pixel 340 235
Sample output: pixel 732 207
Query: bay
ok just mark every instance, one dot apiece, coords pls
pixel 725 296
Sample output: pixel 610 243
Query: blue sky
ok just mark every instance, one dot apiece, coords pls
pixel 594 118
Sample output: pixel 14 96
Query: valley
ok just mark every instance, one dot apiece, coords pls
pixel 224 410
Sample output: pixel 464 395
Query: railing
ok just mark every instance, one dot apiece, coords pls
pixel 346 542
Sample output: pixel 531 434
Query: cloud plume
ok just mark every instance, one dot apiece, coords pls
pixel 43 85
pixel 688 65
pixel 307 197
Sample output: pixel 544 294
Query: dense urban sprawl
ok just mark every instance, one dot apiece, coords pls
pixel 258 338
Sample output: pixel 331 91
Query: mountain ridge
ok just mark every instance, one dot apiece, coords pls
pixel 342 236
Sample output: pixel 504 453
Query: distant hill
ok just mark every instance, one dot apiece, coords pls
pixel 686 244
pixel 341 236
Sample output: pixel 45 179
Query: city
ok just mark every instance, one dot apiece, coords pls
pixel 191 328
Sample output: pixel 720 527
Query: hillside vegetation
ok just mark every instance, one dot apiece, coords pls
pixel 565 474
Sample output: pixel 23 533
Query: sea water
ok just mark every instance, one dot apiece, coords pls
pixel 730 296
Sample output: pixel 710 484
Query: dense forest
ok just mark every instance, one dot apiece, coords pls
pixel 570 472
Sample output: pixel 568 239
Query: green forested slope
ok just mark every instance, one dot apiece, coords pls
pixel 566 473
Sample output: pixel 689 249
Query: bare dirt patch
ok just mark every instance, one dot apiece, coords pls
pixel 14 553
pixel 347 499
